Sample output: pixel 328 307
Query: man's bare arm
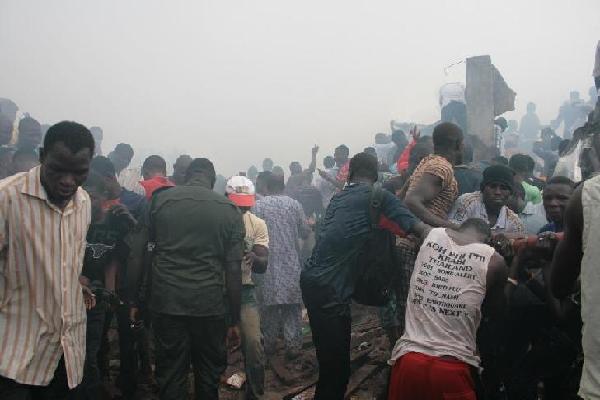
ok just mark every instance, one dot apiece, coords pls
pixel 566 264
pixel 495 299
pixel 428 188
pixel 260 258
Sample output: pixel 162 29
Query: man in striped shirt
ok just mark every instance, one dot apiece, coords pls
pixel 44 218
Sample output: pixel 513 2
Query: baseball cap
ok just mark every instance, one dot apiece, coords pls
pixel 240 191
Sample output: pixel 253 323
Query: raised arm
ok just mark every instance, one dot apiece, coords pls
pixel 313 161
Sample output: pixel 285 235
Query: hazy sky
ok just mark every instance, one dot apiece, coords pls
pixel 236 81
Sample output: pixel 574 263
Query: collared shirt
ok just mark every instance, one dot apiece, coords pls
pixel 42 314
pixel 196 232
pixel 470 205
pixel 330 275
pixel 533 217
pixel 130 178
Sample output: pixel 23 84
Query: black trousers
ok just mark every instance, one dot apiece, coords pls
pixel 127 379
pixel 181 340
pixel 58 388
pixel 91 386
pixel 331 337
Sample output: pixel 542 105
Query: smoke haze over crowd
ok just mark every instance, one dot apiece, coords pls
pixel 240 81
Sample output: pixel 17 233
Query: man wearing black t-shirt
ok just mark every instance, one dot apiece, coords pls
pixel 104 251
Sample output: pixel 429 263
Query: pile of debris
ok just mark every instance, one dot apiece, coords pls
pixel 296 380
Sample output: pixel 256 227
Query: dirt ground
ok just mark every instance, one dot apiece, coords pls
pixel 295 380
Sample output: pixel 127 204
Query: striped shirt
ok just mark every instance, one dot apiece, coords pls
pixel 42 314
pixel 437 166
pixel 470 205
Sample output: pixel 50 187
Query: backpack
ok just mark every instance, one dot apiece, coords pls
pixel 377 262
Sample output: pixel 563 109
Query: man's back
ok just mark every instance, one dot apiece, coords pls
pixel 193 229
pixel 341 237
pixel 286 225
pixel 446 292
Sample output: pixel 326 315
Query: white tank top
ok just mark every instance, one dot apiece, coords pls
pixel 447 289
pixel 590 290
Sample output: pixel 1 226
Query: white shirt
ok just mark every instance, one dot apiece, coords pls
pixel 447 288
pixel 470 205
pixel 130 179
pixel 589 387
pixel 453 91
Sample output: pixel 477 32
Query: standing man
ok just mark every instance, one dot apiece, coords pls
pixel 432 187
pixel 530 127
pixel 105 250
pixel 282 301
pixel 98 135
pixel 30 134
pixel 267 165
pixel 523 166
pixel 453 104
pixel 44 215
pixel 325 186
pixel 199 243
pixel 576 258
pixel 455 273
pixel 430 194
pixel 342 161
pixel 329 277
pixel 154 172
pixel 240 190
pixel 135 204
pixel 179 168
pixel 128 177
pixel 6 130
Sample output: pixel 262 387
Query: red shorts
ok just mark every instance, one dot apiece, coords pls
pixel 417 376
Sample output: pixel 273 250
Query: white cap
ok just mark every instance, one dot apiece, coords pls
pixel 240 191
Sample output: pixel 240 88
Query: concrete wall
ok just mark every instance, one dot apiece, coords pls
pixel 479 96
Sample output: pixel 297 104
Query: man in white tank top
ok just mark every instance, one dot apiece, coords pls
pixel 455 273
pixel 578 256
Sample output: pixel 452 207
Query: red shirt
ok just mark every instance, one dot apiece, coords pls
pixel 153 184
pixel 342 175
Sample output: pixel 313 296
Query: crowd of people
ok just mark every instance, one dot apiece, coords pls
pixel 483 272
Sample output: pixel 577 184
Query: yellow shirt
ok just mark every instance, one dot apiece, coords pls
pixel 256 234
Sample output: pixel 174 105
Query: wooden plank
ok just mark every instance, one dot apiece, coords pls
pixel 358 377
